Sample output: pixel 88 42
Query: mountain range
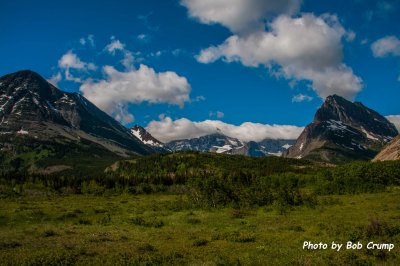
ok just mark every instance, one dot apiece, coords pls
pixel 218 143
pixel 44 129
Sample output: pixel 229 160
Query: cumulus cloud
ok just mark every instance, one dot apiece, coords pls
pixel 301 98
pixel 70 61
pixel 144 84
pixel 395 120
pixel 239 15
pixel 389 45
pixel 304 48
pixel 167 130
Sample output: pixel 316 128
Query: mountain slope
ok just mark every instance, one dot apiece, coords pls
pixel 145 136
pixel 343 131
pixel 147 139
pixel 33 108
pixel 390 152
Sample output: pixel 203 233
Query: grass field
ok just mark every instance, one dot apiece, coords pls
pixel 39 229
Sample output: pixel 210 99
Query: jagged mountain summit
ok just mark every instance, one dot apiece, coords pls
pixel 220 143
pixel 31 106
pixel 343 131
pixel 390 152
pixel 146 138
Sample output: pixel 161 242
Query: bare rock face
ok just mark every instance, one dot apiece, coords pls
pixel 31 106
pixel 343 131
pixel 390 152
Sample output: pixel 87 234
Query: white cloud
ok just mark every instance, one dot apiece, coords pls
pixel 217 114
pixel 128 58
pixel 71 61
pixel 167 130
pixel 389 45
pixel 114 45
pixel 55 79
pixel 87 40
pixel 301 98
pixel 121 113
pixel 144 38
pixel 199 98
pixel 395 119
pixel 239 15
pixel 350 36
pixel 144 84
pixel 303 48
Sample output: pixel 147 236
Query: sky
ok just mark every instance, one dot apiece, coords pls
pixel 251 69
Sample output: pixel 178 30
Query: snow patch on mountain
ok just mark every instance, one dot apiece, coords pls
pixel 22 132
pixel 286 146
pixel 368 135
pixel 223 149
pixel 145 137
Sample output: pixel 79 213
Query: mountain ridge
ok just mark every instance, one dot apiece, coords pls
pixel 35 111
pixel 343 131
pixel 220 143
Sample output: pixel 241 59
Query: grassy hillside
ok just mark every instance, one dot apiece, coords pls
pixel 26 154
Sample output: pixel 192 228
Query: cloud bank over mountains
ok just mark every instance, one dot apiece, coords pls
pixel 167 130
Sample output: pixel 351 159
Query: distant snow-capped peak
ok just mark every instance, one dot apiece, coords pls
pixel 145 137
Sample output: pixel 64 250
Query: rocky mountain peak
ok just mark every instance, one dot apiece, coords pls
pixel 27 81
pixel 336 108
pixel 341 131
pixel 29 102
pixel 143 135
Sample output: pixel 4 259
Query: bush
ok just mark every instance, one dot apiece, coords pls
pixel 200 242
pixel 154 222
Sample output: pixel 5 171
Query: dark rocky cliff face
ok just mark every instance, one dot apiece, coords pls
pixel 343 131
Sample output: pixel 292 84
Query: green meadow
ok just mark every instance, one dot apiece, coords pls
pixel 160 229
pixel 185 212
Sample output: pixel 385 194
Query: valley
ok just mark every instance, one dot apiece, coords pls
pixel 79 188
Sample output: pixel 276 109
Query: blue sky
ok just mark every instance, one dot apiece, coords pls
pixel 190 66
